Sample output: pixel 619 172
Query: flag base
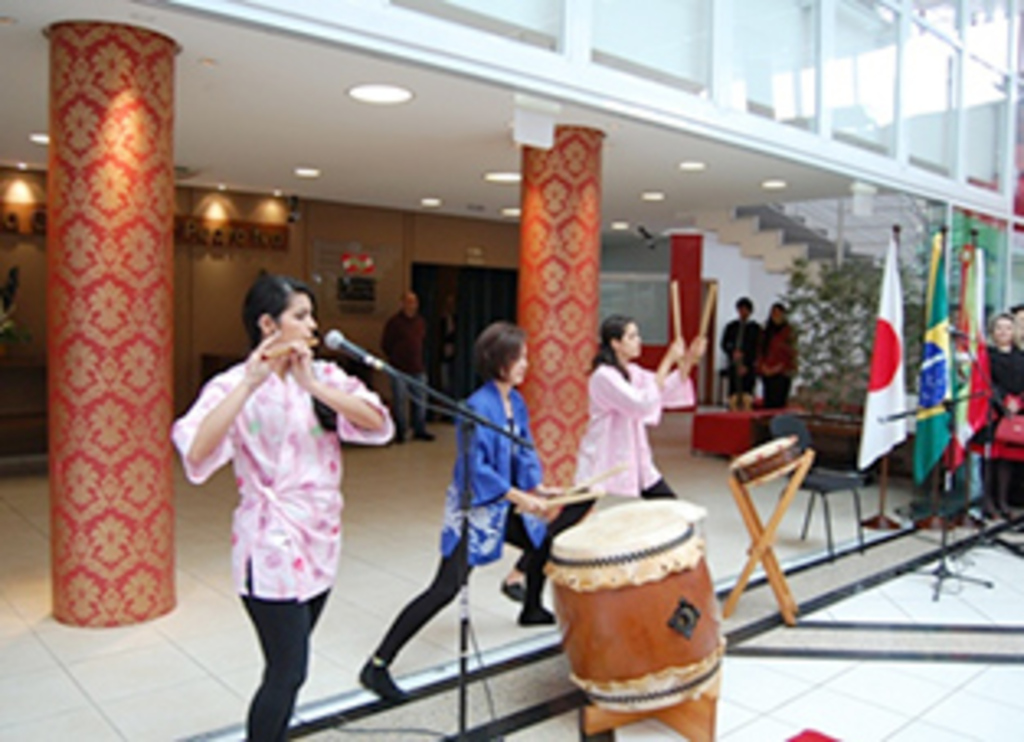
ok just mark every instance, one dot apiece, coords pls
pixel 930 523
pixel 881 522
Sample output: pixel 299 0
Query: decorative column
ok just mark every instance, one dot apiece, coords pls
pixel 109 323
pixel 559 265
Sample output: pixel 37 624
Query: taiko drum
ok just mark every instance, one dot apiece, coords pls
pixel 637 607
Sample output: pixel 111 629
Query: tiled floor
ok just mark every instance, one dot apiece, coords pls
pixel 193 670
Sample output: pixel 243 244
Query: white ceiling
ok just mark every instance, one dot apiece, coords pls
pixel 272 102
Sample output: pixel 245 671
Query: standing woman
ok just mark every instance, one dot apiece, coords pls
pixel 279 417
pixel 624 400
pixel 503 475
pixel 777 361
pixel 1006 362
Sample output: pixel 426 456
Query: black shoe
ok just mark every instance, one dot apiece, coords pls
pixel 514 591
pixel 536 617
pixel 423 436
pixel 376 679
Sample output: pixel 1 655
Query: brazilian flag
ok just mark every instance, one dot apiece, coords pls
pixel 934 387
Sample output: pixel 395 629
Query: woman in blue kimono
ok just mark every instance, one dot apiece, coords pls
pixel 508 503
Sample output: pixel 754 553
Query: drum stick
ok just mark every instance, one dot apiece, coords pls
pixel 571 499
pixel 709 303
pixel 588 483
pixel 282 350
pixel 677 324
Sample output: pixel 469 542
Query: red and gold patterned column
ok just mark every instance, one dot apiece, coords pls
pixel 109 323
pixel 559 265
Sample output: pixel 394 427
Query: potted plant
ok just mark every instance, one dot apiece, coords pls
pixel 833 311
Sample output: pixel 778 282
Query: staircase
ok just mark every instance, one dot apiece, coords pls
pixel 765 232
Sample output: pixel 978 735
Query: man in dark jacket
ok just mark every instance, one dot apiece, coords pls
pixel 402 343
pixel 739 343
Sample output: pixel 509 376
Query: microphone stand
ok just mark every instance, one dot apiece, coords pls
pixel 942 571
pixel 467 421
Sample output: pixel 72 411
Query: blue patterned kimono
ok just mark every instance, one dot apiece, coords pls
pixel 497 465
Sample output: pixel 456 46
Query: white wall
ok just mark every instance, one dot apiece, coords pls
pixel 738 276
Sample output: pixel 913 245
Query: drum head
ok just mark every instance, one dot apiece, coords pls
pixel 628 528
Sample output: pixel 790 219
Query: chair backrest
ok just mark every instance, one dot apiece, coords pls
pixel 782 425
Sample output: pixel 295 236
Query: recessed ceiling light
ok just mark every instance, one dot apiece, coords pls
pixel 511 211
pixel 502 177
pixel 278 193
pixel 430 202
pixel 307 172
pixel 773 184
pixel 381 95
pixel 221 187
pixel 22 166
pixel 620 226
pixel 39 138
pixel 652 196
pixel 693 166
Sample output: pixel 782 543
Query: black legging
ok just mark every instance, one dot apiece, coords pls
pixel 573 514
pixel 284 628
pixel 445 587
pixel 776 391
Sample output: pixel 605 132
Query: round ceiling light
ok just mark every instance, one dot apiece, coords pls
pixel 380 95
pixel 502 177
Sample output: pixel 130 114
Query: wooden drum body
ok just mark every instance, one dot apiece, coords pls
pixel 637 607
pixel 767 462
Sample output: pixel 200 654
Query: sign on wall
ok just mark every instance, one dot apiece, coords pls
pixel 191 230
pixel 352 272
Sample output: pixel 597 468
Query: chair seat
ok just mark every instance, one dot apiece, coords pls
pixel 821 481
pixel 826 480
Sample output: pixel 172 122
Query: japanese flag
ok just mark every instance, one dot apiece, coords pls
pixel 886 387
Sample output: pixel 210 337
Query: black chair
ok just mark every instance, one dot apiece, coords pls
pixel 821 481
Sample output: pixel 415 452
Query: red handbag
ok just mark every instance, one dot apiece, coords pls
pixel 1010 430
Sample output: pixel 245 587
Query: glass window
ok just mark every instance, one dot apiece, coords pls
pixel 667 40
pixel 536 22
pixel 861 78
pixel 776 58
pixel 939 14
pixel 985 94
pixel 1017 266
pixel 987 32
pixel 929 66
pixel 991 238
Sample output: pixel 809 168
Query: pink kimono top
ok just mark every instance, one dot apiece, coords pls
pixel 616 434
pixel 287 525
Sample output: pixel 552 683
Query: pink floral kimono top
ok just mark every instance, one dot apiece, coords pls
pixel 616 434
pixel 288 471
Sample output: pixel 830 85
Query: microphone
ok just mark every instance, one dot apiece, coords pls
pixel 336 341
pixel 954 332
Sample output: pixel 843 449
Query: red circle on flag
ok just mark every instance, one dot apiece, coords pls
pixel 886 358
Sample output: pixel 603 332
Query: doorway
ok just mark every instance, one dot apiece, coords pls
pixel 458 302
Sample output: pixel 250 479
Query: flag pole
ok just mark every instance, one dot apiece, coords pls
pixel 881 521
pixel 969 519
pixel 935 521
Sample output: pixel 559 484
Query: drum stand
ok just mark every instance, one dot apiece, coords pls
pixel 763 537
pixel 694 719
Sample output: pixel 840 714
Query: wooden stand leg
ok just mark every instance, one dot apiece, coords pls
pixel 762 538
pixel 694 719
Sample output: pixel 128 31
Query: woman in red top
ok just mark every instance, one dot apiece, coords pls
pixel 777 360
